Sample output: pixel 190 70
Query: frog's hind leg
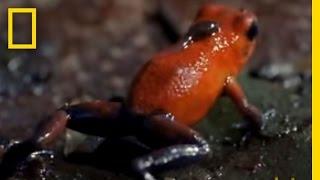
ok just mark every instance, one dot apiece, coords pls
pixel 175 144
pixel 100 118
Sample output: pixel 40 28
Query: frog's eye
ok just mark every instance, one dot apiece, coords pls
pixel 253 31
pixel 202 30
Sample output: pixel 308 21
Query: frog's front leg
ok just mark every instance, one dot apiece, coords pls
pixel 234 90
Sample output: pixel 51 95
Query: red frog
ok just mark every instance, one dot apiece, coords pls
pixel 172 92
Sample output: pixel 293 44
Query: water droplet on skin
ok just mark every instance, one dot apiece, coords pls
pixel 188 42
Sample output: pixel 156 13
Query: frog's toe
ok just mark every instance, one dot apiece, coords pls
pixel 249 131
pixel 15 153
pixel 38 164
pixel 44 156
pixel 148 176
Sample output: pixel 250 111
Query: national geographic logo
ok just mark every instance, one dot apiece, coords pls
pixel 277 178
pixel 33 13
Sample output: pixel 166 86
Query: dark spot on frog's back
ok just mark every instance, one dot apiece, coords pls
pixel 202 30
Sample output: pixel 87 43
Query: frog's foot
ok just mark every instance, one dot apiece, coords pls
pixel 43 156
pixel 250 131
pixel 143 174
pixel 15 153
pixel 18 155
pixel 38 164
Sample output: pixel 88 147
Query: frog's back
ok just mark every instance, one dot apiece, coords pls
pixel 185 83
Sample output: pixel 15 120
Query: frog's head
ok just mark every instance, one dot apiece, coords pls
pixel 227 27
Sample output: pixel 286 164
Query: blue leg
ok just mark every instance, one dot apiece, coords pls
pixel 175 145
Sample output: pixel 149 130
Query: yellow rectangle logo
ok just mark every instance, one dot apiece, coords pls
pixel 33 12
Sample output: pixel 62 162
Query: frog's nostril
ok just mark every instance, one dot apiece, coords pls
pixel 253 31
